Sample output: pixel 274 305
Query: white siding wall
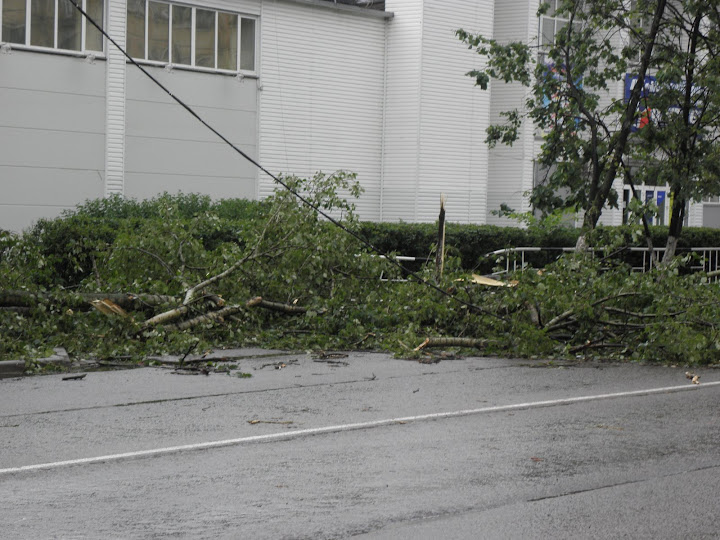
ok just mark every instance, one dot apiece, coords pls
pixel 169 150
pixel 115 100
pixel 166 149
pixel 52 135
pixel 511 167
pixel 321 104
pixel 435 119
pixel 453 159
pixel 695 215
pixel 401 167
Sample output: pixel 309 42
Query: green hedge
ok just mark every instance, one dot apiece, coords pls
pixel 473 242
pixel 469 242
pixel 70 241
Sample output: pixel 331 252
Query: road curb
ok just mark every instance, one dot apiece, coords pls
pixel 11 368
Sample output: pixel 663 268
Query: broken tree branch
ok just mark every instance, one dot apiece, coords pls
pixel 192 291
pixel 258 301
pixel 212 317
pixel 451 342
pixel 254 254
pixel 440 254
pixel 553 324
pixel 641 315
pixel 166 316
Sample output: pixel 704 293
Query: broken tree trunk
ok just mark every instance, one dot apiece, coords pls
pixel 192 293
pixel 212 317
pixel 166 316
pixel 440 254
pixel 258 301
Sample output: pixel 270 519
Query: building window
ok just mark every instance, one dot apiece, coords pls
pixel 52 24
pixel 640 23
pixel 550 26
pixel 190 36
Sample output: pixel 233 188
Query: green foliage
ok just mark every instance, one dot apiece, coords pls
pixel 588 127
pixel 678 146
pixel 296 257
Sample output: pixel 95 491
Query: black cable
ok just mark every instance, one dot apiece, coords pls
pixel 274 177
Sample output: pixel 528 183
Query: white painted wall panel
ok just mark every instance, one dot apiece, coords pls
pixel 322 100
pixel 52 135
pixel 453 158
pixel 402 111
pixel 511 168
pixel 435 118
pixel 174 123
pixel 115 110
pixel 167 149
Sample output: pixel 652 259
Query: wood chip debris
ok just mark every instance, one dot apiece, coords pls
pixel 489 282
pixel 108 307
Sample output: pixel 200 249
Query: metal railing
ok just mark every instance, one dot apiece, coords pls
pixel 641 259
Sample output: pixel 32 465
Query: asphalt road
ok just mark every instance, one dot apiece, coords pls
pixel 367 446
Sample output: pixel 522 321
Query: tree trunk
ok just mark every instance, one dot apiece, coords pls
pixel 610 169
pixel 679 201
pixel 676 224
pixel 440 253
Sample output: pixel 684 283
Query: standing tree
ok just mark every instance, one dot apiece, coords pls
pixel 586 128
pixel 678 143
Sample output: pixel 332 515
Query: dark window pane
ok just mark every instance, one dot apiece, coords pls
pixel 158 31
pixel 69 26
pixel 247 44
pixel 204 38
pixel 136 28
pixel 93 37
pixel 227 41
pixel 42 23
pixel 181 29
pixel 13 21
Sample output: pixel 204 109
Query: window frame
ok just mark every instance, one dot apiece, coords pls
pixel 83 51
pixel 642 23
pixel 543 47
pixel 172 64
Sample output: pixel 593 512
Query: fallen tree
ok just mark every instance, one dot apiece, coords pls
pixel 190 292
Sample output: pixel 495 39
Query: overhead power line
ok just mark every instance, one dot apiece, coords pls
pixel 275 178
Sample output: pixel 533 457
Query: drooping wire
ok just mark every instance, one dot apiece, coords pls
pixel 277 179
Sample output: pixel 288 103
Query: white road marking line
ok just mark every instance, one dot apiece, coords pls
pixel 351 427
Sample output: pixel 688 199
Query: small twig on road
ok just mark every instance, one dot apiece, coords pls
pixel 74 377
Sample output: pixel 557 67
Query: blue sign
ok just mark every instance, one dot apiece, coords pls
pixel 647 114
pixel 630 82
pixel 644 113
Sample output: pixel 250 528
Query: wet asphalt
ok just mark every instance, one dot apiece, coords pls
pixel 346 446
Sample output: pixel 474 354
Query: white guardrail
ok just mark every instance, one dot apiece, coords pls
pixel 707 260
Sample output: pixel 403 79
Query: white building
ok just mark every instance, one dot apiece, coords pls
pixel 300 85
